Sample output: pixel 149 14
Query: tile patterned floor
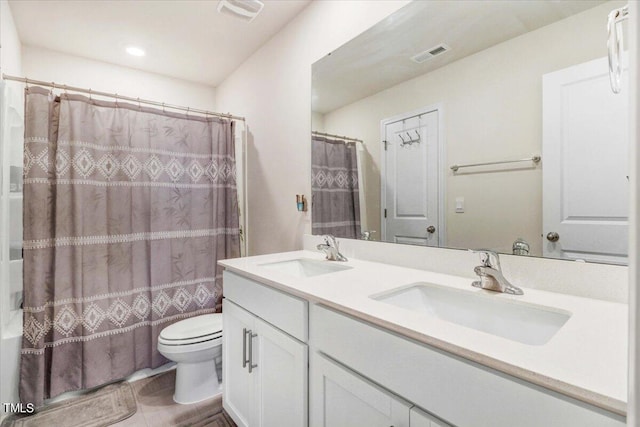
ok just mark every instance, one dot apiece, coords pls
pixel 156 407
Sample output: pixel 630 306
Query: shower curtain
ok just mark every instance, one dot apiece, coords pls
pixel 334 185
pixel 126 211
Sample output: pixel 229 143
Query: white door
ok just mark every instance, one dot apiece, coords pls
pixel 585 164
pixel 282 376
pixel 340 398
pixel 238 384
pixel 411 180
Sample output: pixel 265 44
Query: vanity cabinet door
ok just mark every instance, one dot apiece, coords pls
pixel 341 398
pixel 265 372
pixel 282 376
pixel 238 384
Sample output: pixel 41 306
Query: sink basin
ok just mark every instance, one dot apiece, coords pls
pixel 304 267
pixel 526 323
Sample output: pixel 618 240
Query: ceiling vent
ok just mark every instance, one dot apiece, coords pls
pixel 245 9
pixel 430 53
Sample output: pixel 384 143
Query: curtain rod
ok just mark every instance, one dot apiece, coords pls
pixel 118 97
pixel 346 138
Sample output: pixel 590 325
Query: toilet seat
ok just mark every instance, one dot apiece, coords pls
pixel 195 330
pixel 190 341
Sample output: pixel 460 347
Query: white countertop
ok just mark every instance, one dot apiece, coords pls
pixel 586 359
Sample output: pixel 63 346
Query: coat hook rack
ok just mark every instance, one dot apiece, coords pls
pixel 410 140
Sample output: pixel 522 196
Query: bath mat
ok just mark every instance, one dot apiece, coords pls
pixel 100 408
pixel 215 417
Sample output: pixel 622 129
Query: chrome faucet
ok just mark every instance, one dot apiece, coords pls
pixel 520 247
pixel 331 248
pixel 490 274
pixel 366 235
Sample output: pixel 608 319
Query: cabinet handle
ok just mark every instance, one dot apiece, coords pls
pixel 251 365
pixel 244 347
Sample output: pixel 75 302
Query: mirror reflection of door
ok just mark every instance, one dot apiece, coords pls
pixel 585 171
pixel 410 179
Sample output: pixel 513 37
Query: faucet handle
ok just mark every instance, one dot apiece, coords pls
pixel 488 258
pixel 331 240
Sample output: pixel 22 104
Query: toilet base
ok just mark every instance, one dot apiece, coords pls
pixel 196 382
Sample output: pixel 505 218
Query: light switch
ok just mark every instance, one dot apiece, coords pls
pixel 459 204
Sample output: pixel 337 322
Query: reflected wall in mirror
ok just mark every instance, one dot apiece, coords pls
pixel 438 88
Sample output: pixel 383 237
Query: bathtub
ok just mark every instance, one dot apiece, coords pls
pixel 10 343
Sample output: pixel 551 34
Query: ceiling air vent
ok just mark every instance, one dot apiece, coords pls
pixel 245 9
pixel 430 53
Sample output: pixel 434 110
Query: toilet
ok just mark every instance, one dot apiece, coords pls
pixel 195 344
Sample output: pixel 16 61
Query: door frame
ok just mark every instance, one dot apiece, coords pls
pixel 241 134
pixel 442 231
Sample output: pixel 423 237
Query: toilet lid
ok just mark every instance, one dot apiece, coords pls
pixel 195 327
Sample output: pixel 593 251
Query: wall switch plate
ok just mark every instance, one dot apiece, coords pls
pixel 459 204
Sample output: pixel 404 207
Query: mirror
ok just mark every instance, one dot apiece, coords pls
pixel 473 124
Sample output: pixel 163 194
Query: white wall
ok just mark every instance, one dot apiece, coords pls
pixel 317 121
pixel 272 89
pixel 11 149
pixel 633 409
pixel 492 105
pixel 48 65
pixel 10 339
pixel 10 61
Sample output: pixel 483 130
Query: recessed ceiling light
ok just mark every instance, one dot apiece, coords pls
pixel 135 51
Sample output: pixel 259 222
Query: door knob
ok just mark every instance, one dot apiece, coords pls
pixel 552 236
pixel 431 229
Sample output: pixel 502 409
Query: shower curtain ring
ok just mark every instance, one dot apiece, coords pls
pixel 188 108
pixel 26 80
pixel 53 86
pixel 163 110
pixel 117 101
pixel 139 106
pixel 90 98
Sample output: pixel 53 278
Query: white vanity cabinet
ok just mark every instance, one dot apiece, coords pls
pixel 457 390
pixel 265 367
pixel 341 398
pixel 291 363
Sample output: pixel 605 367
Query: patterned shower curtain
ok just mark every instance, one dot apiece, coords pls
pixel 334 187
pixel 126 212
